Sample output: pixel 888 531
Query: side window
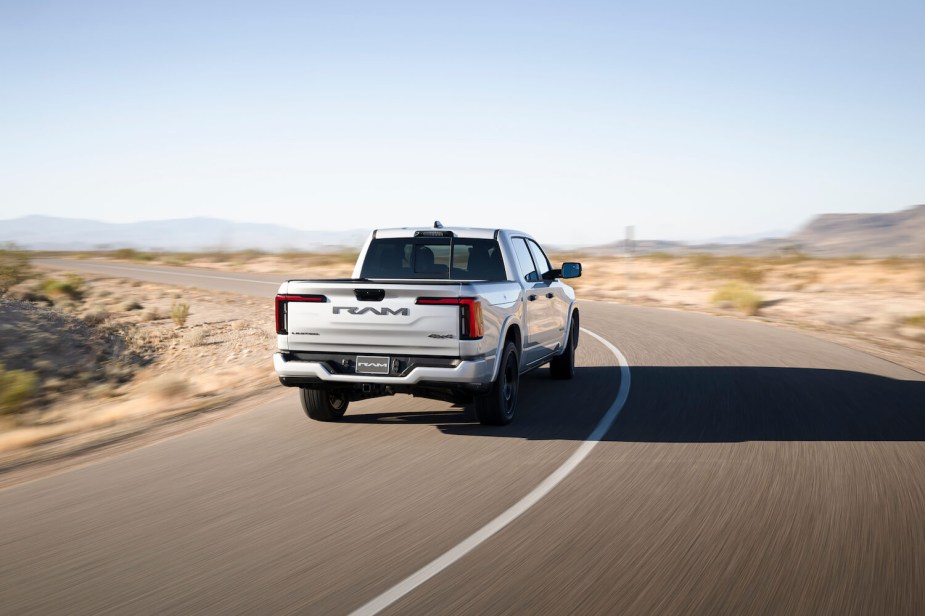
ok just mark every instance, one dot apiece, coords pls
pixel 525 260
pixel 539 257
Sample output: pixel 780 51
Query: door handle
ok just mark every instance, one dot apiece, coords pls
pixel 532 298
pixel 550 295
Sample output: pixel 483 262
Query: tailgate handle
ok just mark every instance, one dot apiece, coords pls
pixel 369 295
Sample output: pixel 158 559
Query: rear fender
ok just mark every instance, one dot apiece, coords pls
pixel 502 341
pixel 572 311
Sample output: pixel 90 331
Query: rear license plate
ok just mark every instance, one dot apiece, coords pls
pixel 372 365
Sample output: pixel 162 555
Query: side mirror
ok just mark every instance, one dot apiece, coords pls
pixel 571 270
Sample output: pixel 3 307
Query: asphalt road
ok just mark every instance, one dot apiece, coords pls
pixel 751 471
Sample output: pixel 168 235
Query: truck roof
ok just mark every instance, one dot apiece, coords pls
pixel 471 232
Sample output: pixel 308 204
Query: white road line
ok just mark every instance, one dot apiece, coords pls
pixel 520 507
pixel 149 270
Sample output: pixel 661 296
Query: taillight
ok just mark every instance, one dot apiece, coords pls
pixel 282 308
pixel 471 322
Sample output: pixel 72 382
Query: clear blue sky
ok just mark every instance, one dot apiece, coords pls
pixel 572 120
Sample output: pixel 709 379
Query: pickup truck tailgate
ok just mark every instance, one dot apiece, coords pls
pixel 372 318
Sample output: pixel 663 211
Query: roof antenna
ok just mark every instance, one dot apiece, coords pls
pixel 438 224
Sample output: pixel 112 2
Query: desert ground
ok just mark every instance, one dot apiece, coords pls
pixel 123 359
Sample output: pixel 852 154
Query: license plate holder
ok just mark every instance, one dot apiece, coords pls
pixel 372 364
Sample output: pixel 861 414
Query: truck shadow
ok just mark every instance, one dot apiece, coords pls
pixel 694 404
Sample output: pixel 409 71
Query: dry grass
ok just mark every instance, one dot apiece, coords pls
pixel 742 297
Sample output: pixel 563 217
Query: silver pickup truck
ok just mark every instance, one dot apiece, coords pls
pixel 451 314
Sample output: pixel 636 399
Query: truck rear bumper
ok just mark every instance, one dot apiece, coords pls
pixel 477 372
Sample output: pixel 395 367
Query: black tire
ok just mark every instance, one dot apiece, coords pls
pixel 496 408
pixel 563 366
pixel 323 405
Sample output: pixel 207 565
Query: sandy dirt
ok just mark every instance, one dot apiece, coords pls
pixel 89 395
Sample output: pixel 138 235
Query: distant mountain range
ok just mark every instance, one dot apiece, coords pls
pixel 49 233
pixel 899 233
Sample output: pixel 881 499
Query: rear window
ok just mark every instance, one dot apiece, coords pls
pixel 434 258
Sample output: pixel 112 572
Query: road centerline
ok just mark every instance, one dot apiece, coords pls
pixel 474 540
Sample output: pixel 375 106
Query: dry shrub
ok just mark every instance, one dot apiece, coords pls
pixel 749 273
pixel 195 337
pixel 915 320
pixel 740 296
pixel 660 256
pixel 96 317
pixel 14 267
pixel 153 314
pixel 17 388
pixel 72 287
pixel 168 386
pixel 179 312
pixel 130 254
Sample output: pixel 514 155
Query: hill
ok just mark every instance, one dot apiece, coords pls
pixel 900 234
pixel 50 233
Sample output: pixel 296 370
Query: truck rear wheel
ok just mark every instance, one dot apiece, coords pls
pixel 496 408
pixel 323 405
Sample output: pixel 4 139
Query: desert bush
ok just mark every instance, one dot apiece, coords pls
pixel 96 317
pixel 131 305
pixel 746 269
pixel 247 255
pixel 915 320
pixel 216 255
pixel 195 337
pixel 900 263
pixel 703 260
pixel 168 386
pixel 179 258
pixel 153 314
pixel 17 387
pixel 179 313
pixel 749 273
pixel 130 254
pixel 741 296
pixel 792 254
pixel 71 287
pixel 14 267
